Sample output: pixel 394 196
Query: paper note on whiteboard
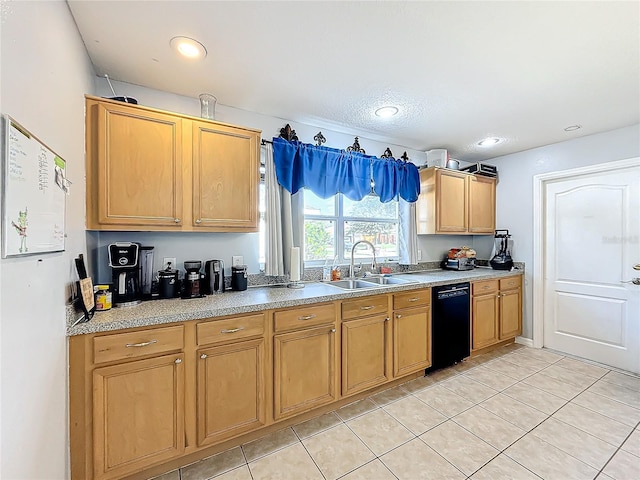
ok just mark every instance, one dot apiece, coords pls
pixel 34 190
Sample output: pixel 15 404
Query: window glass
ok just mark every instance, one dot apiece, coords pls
pixel 314 205
pixel 370 207
pixel 383 236
pixel 319 240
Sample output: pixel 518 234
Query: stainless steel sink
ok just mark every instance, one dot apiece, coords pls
pixel 388 281
pixel 353 284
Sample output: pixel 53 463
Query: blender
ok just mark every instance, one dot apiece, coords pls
pixel 502 260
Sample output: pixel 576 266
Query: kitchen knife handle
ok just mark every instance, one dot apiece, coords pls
pixel 143 344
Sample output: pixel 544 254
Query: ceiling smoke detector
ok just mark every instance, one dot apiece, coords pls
pixel 188 47
pixel 386 112
pixel 490 141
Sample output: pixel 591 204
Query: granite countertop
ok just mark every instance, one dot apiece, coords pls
pixel 157 312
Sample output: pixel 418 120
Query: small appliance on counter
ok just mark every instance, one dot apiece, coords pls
pixel 239 277
pixel 502 259
pixel 192 279
pixel 481 169
pixel 168 283
pixel 124 262
pixel 146 272
pixel 460 259
pixel 213 277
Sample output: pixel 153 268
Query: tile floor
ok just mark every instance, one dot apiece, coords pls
pixel 514 413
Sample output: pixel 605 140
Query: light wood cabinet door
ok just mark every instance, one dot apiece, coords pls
pixel 482 204
pixel 138 176
pixel 510 313
pixel 451 202
pixel 485 321
pixel 225 177
pixel 138 415
pixel 365 359
pixel 304 370
pixel 411 340
pixel 230 391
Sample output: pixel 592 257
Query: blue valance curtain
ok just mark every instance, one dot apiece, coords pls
pixel 328 171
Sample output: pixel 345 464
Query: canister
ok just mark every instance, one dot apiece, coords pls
pixel 103 297
pixel 239 277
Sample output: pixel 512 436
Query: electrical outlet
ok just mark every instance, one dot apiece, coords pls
pixel 237 260
pixel 419 254
pixel 165 263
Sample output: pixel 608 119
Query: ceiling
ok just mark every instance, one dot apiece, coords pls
pixel 458 71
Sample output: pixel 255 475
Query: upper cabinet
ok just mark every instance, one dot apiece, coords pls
pixel 454 202
pixel 157 171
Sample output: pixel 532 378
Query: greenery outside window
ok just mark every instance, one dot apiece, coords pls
pixel 333 225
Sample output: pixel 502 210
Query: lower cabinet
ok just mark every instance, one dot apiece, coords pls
pixel 496 311
pixel 411 332
pixel 230 390
pixel 137 415
pixel 304 370
pixel 365 359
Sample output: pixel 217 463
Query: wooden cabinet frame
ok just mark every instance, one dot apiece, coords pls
pixel 455 202
pixel 151 170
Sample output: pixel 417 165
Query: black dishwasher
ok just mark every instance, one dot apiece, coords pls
pixel 451 325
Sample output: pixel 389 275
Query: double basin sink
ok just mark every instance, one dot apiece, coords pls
pixel 370 283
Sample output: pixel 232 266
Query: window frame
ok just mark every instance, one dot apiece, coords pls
pixel 339 234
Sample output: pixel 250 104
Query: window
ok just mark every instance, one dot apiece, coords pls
pixel 333 225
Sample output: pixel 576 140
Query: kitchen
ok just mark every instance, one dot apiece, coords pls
pixel 44 60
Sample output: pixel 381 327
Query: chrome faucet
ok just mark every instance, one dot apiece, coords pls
pixel 374 265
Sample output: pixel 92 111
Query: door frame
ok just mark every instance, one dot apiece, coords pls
pixel 539 218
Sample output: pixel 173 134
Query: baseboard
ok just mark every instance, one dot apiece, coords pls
pixel 524 341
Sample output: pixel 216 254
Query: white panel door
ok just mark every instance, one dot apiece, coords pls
pixel 592 233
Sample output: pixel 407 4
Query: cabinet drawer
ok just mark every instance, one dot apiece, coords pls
pixel 486 286
pixel 511 282
pixel 120 346
pixel 304 316
pixel 364 307
pixel 230 329
pixel 415 298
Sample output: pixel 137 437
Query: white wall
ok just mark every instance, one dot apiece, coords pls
pixel 45 73
pixel 204 246
pixel 515 189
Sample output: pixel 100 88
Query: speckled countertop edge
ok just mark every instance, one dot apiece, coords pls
pixel 157 312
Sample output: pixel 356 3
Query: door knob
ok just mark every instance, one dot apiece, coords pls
pixel 636 266
pixel 635 281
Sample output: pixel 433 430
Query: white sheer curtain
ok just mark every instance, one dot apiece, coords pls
pixel 407 233
pixel 283 220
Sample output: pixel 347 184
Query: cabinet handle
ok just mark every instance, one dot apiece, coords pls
pixel 203 356
pixel 398 315
pixel 143 344
pixel 368 307
pixel 414 299
pixel 498 296
pixel 176 220
pixel 198 221
pixel 333 330
pixel 178 361
pixel 387 319
pixel 232 330
pixel 307 317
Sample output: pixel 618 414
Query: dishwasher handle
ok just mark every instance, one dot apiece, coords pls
pixel 453 292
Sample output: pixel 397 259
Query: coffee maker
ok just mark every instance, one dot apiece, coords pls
pixel 192 279
pixel 124 262
pixel 214 276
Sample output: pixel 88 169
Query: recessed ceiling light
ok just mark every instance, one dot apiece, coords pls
pixel 386 112
pixel 571 128
pixel 188 47
pixel 490 141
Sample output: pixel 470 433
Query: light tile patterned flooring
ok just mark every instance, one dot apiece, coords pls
pixel 515 413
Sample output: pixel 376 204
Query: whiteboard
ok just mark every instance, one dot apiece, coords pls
pixel 34 191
